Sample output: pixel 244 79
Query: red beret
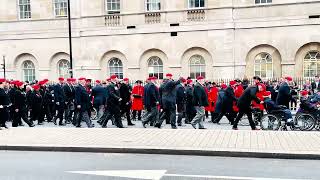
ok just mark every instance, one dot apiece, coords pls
pixel 189 81
pixel 46 80
pixel 154 78
pixel 69 79
pixel 88 80
pixel 288 78
pixel 182 79
pixel 169 75
pixel 36 87
pixel 304 93
pixel 98 81
pixel 108 79
pixel 223 86
pixel 73 79
pixel 19 84
pixel 61 79
pixel 82 78
pixel 200 77
pixel 232 83
pixel 2 80
pixel 113 76
pixel 41 83
pixel 126 79
pixel 267 93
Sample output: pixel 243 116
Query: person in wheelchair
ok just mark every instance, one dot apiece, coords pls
pixel 309 104
pixel 274 109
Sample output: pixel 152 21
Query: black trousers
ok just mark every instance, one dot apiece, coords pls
pixel 134 114
pixel 35 113
pixel 60 109
pixel 248 112
pixel 4 116
pixel 126 110
pixel 113 112
pixel 45 112
pixel 168 113
pixel 21 114
pixel 230 116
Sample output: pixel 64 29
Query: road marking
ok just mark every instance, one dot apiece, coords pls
pixel 137 174
pixel 227 177
pixel 158 174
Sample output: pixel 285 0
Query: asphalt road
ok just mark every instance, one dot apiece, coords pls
pixel 75 166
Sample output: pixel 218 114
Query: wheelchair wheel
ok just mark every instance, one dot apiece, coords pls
pixel 270 122
pixel 306 122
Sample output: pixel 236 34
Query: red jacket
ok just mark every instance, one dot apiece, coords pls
pixel 137 98
pixel 237 93
pixel 212 99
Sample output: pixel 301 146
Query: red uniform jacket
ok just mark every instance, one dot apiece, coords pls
pixel 212 99
pixel 237 93
pixel 137 98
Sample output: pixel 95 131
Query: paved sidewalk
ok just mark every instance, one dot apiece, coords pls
pixel 269 144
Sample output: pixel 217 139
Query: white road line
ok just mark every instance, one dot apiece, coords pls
pixel 227 177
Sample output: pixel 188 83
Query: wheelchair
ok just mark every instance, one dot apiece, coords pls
pixel 307 120
pixel 274 120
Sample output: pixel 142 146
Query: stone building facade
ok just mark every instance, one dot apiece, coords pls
pixel 137 38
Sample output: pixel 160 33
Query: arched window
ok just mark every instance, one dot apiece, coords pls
pixel 63 68
pixel 29 72
pixel 116 67
pixel 311 64
pixel 155 67
pixel 197 66
pixel 263 65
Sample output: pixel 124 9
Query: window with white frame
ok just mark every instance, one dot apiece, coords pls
pixel 192 4
pixel 113 6
pixel 116 67
pixel 263 65
pixel 311 64
pixel 24 9
pixel 153 5
pixel 197 66
pixel 61 8
pixel 263 1
pixel 63 68
pixel 29 72
pixel 155 67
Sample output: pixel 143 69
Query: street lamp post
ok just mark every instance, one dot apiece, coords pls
pixel 70 41
pixel 4 66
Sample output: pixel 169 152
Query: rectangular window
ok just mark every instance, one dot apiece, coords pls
pixel 61 8
pixel 113 6
pixel 24 9
pixel 153 5
pixel 263 1
pixel 193 4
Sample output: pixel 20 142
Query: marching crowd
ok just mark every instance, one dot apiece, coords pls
pixel 72 100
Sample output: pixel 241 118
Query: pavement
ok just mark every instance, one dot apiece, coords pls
pixel 17 165
pixel 215 141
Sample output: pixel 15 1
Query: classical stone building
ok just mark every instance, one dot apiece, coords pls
pixel 137 38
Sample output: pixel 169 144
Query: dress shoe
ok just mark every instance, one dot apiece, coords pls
pixel 235 128
pixel 256 129
pixel 40 123
pixel 179 124
pixel 194 126
pixel 174 127
pixel 61 124
pixel 157 126
pixel 203 128
pixel 31 125
pixel 54 122
pixel 131 124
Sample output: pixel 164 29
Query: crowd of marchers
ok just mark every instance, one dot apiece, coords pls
pixel 176 102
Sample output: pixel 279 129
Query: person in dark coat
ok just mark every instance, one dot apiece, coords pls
pixel 69 91
pixel 200 101
pixel 99 99
pixel 181 100
pixel 190 110
pixel 151 101
pixel 19 105
pixel 284 94
pixel 125 94
pixel 227 104
pixel 36 103
pixel 113 103
pixel 168 103
pixel 46 100
pixel 11 93
pixel 82 103
pixel 60 100
pixel 315 85
pixel 4 104
pixel 244 104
